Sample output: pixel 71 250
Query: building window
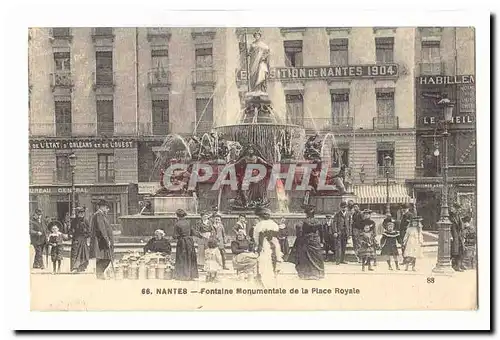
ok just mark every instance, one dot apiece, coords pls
pixel 384 48
pixel 160 117
pixel 431 58
pixel 104 68
pixel 63 168
pixel 106 168
pixel 204 58
pixel 294 109
pixel 340 108
pixel 103 31
pixel 341 156
pixel 293 53
pixel 339 51
pixel 60 32
pixel 385 149
pixel 62 61
pixel 159 59
pixel 204 114
pixel 63 118
pixel 105 119
pixel 385 103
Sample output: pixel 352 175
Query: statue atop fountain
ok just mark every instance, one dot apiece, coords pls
pixel 257 103
pixel 256 194
pixel 312 149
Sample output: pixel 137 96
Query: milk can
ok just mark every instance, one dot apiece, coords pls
pixel 169 274
pixel 118 272
pixel 143 271
pixel 133 271
pixel 160 271
pixel 151 272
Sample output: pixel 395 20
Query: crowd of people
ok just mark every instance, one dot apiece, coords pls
pixel 259 250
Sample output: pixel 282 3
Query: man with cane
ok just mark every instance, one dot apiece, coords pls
pixel 101 239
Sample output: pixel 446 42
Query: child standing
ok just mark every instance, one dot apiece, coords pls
pixel 213 261
pixel 389 243
pixel 412 242
pixel 220 237
pixel 283 237
pixel 55 241
pixel 367 247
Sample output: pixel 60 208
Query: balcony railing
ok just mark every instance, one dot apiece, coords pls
pixel 155 129
pixel 202 126
pixel 104 79
pixel 203 76
pixel 383 171
pixel 61 33
pixel 82 129
pixel 61 79
pixel 385 122
pixel 453 171
pixel 432 69
pixel 325 124
pixel 343 122
pixel 102 32
pixel 159 32
pixel 159 77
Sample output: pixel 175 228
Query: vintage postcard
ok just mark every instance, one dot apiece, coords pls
pixel 253 168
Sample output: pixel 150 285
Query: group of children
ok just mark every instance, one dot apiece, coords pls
pixel 411 244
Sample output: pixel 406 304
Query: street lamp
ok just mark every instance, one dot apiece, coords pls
pixel 387 162
pixel 443 264
pixel 72 164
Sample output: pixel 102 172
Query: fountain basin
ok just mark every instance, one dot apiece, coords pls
pixel 168 205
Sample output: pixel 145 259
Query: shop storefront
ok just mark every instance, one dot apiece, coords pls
pixel 55 200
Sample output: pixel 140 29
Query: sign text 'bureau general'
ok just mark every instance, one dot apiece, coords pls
pixel 82 144
pixel 328 72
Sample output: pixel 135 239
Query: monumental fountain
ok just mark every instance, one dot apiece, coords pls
pixel 259 137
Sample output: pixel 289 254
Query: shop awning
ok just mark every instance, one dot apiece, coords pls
pixel 376 194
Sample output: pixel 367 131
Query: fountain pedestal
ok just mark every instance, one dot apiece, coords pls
pixel 168 205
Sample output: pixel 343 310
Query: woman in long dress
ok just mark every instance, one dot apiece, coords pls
pixel 306 252
pixel 79 234
pixel 186 267
pixel 265 235
pixel 412 243
pixel 205 229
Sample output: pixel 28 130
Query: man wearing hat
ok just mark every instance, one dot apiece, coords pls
pixel 342 228
pixel 328 236
pixel 38 238
pixel 101 239
pixel 457 238
pixel 79 233
pixel 404 222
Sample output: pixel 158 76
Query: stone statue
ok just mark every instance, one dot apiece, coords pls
pixel 259 65
pixel 312 149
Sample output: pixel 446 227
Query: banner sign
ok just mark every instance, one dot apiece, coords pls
pixel 112 143
pixel 328 72
pixel 80 190
pixel 446 80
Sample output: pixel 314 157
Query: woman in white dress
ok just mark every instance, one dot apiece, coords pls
pixel 412 242
pixel 268 247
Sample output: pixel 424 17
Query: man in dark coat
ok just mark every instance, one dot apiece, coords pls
pixel 405 222
pixel 457 239
pixel 328 237
pixel 38 237
pixel 101 239
pixel 342 229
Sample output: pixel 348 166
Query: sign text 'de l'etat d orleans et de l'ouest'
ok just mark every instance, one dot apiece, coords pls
pixel 464 112
pixel 82 144
pixel 328 72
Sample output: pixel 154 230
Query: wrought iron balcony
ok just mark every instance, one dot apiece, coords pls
pixel 432 69
pixel 159 33
pixel 204 76
pixel 102 33
pixel 63 33
pixel 103 79
pixel 82 129
pixel 61 79
pixel 344 123
pixel 385 122
pixel 327 124
pixel 202 126
pixel 159 77
pixel 453 171
pixel 155 129
pixel 383 171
